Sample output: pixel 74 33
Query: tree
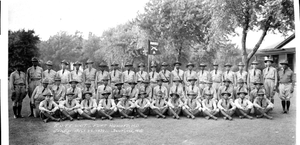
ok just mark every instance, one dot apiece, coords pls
pixel 177 24
pixel 265 16
pixel 22 46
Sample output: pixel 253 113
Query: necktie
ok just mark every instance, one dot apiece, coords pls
pixel 43 90
pixel 159 102
pixel 240 88
pixel 192 87
pixel 63 71
pixel 152 74
pixel 114 72
pixel 20 73
pixel 77 72
pixel 208 101
pixel 159 87
pixel 164 71
pixel 70 103
pixel 57 88
pixel 128 72
pixel 190 72
pixel 226 102
pixel 102 72
pixel 268 69
pixel 202 72
pixel 215 72
pixel 73 90
pixel 283 71
pixel 142 101
pixel 47 104
pixel 261 102
pixel 242 102
pixel 131 90
pixel 227 72
pixel 88 89
pixel 176 89
pixel 88 103
pixel 48 71
pixel 226 88
pixel 254 72
pixel 104 87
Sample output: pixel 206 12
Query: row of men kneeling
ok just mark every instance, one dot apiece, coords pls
pixel 126 107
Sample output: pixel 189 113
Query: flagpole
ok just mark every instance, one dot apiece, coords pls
pixel 148 55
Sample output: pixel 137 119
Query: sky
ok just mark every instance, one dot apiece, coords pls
pixel 49 17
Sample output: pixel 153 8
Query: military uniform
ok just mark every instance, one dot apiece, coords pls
pixel 59 91
pixel 132 92
pixel 141 75
pixel 76 90
pixel 100 75
pixel 203 76
pixel 189 74
pixel 117 93
pixel 106 107
pixel 115 75
pixel 226 106
pixel 228 88
pixel 262 105
pixel 159 105
pixel 89 74
pixel 128 76
pixel 177 74
pixel 70 107
pixel 210 107
pixel 254 75
pixel 49 73
pixel 153 75
pixel 37 96
pixel 253 93
pixel 88 88
pixel 192 106
pixel 147 88
pixel 125 106
pixel 18 90
pixel 229 75
pixel 77 75
pixel 286 78
pixel 178 89
pixel 49 109
pixel 241 74
pixel 160 88
pixel 240 85
pixel 103 88
pixel 244 106
pixel 165 75
pixel 270 80
pixel 175 105
pixel 88 106
pixel 64 75
pixel 216 76
pixel 193 88
pixel 142 105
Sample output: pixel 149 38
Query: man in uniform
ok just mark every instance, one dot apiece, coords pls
pixel 88 88
pixel 69 107
pixel 88 106
pixel 253 93
pixel 33 79
pixel 77 74
pixel 189 73
pixel 254 75
pixel 104 87
pixel 132 90
pixel 117 92
pixel 270 79
pixel 193 88
pixel 178 89
pixel 128 75
pixel 89 74
pixel 165 75
pixel 240 85
pixel 107 106
pixel 141 75
pixel 209 106
pixel 192 106
pixel 76 90
pixel 153 75
pixel 125 106
pixel 159 106
pixel 18 89
pixel 147 88
pixel 203 76
pixel 64 74
pixel 243 105
pixel 226 105
pixel 226 87
pixel 209 90
pixel 49 73
pixel 58 91
pixel 262 105
pixel 216 76
pixel 287 80
pixel 228 74
pixel 115 75
pixel 241 73
pixel 102 74
pixel 177 73
pixel 160 88
pixel 175 105
pixel 37 96
pixel 49 109
pixel 142 105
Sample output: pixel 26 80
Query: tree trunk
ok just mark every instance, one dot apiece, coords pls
pixel 244 49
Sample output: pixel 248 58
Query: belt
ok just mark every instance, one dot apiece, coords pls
pixel 216 82
pixel 270 79
pixel 20 84
pixel 35 79
pixel 165 81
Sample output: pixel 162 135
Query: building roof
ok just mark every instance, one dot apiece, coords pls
pixel 288 45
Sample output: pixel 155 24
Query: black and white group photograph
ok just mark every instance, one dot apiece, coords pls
pixel 149 72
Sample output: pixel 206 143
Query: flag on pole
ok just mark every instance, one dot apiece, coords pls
pixel 153 48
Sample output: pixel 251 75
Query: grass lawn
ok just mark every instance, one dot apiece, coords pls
pixel 281 130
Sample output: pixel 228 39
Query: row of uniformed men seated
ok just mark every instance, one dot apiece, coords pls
pixel 191 105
